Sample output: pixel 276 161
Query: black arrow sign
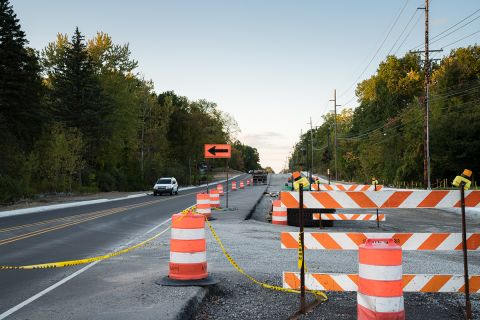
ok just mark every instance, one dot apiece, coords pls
pixel 213 150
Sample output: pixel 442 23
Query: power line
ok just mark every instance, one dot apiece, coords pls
pixel 440 97
pixel 448 45
pixel 451 27
pixel 378 50
pixel 446 35
pixel 403 31
pixel 408 34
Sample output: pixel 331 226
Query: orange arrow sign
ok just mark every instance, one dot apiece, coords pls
pixel 218 151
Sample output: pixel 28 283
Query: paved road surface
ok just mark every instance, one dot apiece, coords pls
pixel 75 233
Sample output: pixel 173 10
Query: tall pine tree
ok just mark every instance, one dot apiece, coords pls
pixel 78 99
pixel 20 83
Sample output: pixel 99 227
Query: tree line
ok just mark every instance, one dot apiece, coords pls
pixel 77 116
pixel 383 136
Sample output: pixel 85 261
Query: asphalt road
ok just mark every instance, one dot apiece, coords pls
pixel 76 233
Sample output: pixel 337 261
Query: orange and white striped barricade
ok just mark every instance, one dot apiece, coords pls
pixel 248 182
pixel 349 216
pixel 242 185
pixel 350 187
pixel 214 198
pixel 380 294
pixel 234 186
pixel 279 213
pixel 410 282
pixel 381 199
pixel 220 189
pixel 188 252
pixel 204 205
pixel 408 241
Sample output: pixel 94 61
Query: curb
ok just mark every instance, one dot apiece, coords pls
pixel 252 210
pixel 191 305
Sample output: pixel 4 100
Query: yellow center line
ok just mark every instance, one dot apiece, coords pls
pixel 85 218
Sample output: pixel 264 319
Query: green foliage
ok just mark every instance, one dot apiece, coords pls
pixel 59 154
pixel 80 118
pixel 20 85
pixel 383 137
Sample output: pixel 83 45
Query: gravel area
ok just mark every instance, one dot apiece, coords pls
pixel 255 246
pixel 236 298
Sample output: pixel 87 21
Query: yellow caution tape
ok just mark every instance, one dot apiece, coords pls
pixel 301 259
pixel 317 293
pixel 71 263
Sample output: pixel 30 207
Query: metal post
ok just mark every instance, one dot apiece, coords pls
pixel 302 267
pixel 468 306
pixel 378 221
pixel 311 159
pixel 226 166
pixel 206 176
pixel 335 132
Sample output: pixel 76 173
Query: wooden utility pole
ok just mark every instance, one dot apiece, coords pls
pixel 335 146
pixel 426 116
pixel 426 103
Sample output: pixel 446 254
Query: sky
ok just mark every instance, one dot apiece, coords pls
pixel 272 65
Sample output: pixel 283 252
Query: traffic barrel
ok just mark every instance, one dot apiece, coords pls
pixel 248 182
pixel 279 213
pixel 380 293
pixel 204 205
pixel 188 252
pixel 234 186
pixel 220 189
pixel 214 198
pixel 242 185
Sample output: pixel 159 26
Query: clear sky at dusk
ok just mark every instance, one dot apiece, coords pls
pixel 270 64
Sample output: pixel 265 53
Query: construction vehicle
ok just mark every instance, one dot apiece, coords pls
pixel 259 176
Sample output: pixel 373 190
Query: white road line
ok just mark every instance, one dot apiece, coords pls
pixel 44 292
pixel 73 275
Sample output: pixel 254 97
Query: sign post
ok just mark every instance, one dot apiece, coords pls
pixel 219 151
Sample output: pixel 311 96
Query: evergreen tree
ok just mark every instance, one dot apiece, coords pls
pixel 77 96
pixel 20 83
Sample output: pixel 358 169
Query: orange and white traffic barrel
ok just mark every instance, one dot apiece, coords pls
pixel 380 293
pixel 214 198
pixel 248 182
pixel 188 252
pixel 242 185
pixel 204 205
pixel 220 189
pixel 234 186
pixel 279 213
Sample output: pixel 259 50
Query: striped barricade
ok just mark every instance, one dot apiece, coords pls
pixel 381 199
pixel 349 216
pixel 411 282
pixel 408 241
pixel 346 187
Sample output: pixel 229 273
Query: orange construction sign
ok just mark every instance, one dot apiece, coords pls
pixel 218 151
